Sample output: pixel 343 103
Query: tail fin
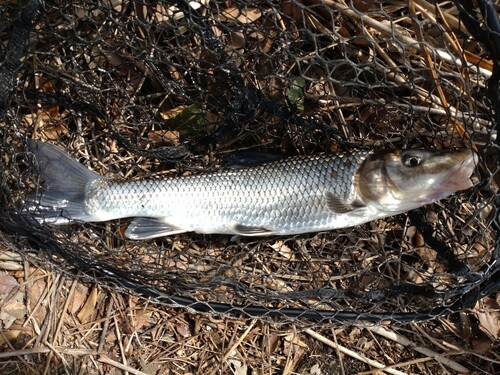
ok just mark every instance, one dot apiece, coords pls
pixel 60 197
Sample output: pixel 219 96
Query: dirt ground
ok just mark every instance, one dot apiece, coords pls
pixel 54 324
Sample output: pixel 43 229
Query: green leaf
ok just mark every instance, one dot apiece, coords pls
pixel 295 93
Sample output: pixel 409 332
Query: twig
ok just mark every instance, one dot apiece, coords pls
pixel 449 18
pixel 57 353
pixel 238 342
pixel 120 344
pixel 401 364
pixel 425 351
pixel 38 303
pixel 64 310
pixel 353 354
pixel 59 280
pixel 41 350
pixel 105 327
pixel 105 359
pixel 342 369
pixel 443 55
pixel 9 344
pixel 432 69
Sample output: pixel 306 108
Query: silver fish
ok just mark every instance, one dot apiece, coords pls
pixel 294 195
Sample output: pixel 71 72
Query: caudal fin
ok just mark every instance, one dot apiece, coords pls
pixel 63 184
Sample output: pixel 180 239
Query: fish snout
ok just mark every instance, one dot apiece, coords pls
pixel 461 170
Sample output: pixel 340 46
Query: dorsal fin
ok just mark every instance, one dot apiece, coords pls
pixel 245 159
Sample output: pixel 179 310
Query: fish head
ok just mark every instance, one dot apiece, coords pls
pixel 401 180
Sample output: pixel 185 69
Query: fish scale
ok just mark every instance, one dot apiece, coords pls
pixel 286 196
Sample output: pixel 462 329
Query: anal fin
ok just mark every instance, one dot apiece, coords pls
pixel 144 228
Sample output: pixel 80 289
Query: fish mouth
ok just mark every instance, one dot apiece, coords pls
pixel 459 175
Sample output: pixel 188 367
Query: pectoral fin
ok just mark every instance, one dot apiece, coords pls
pixel 338 206
pixel 246 230
pixel 144 228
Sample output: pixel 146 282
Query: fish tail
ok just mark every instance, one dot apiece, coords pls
pixel 63 186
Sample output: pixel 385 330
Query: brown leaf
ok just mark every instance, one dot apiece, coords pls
pixel 12 308
pixel 282 249
pixel 428 255
pixel 247 15
pixel 297 341
pixel 141 319
pixel 79 297
pixel 271 343
pixel 36 290
pixel 174 112
pixel 489 317
pixel 9 335
pixel 293 344
pixel 89 306
pixel 7 283
pixel 162 136
pixel 239 367
pixel 183 329
pixel 292 10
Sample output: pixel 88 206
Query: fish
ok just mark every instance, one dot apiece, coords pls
pixel 283 196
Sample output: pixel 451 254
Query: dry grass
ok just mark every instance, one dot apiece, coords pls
pixel 387 76
pixel 54 324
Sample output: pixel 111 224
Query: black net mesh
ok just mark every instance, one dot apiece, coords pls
pixel 134 89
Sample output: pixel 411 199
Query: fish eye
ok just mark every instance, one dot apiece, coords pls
pixel 410 160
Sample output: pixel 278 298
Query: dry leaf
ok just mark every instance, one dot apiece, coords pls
pixel 271 343
pixel 292 10
pixel 9 335
pixel 176 14
pixel 183 329
pixel 410 232
pixel 12 308
pixel 282 249
pixel 36 290
pixel 238 366
pixel 294 348
pixel 246 16
pixel 160 136
pixel 489 317
pixel 364 5
pixel 89 306
pixel 79 297
pixel 141 318
pixel 364 344
pixel 428 255
pixel 7 283
pixel 174 112
pixel 295 340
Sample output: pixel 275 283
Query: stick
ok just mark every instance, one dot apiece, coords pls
pixel 353 354
pixel 425 351
pixel 121 366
